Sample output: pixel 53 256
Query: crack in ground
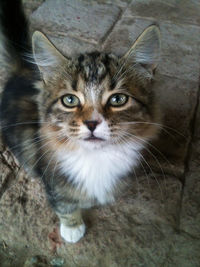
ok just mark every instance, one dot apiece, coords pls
pixel 6 184
pixel 10 177
pixel 189 150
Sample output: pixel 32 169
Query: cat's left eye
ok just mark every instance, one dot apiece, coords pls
pixel 118 100
pixel 70 101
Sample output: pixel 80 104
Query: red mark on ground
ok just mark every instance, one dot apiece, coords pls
pixel 55 239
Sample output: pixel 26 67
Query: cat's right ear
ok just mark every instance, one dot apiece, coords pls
pixel 47 57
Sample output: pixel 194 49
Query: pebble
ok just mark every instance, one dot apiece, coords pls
pixel 56 262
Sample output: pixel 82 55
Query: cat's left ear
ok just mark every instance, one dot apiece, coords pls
pixel 146 49
pixel 47 57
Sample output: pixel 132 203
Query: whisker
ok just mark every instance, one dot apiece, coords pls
pixel 37 161
pixel 158 151
pixel 155 158
pixel 23 123
pixel 25 162
pixel 53 153
pixel 55 166
pixel 157 124
pixel 150 170
pixel 125 142
pixel 39 138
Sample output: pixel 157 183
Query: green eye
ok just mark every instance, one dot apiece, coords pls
pixel 118 100
pixel 70 101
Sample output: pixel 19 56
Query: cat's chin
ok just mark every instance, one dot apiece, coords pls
pixel 93 143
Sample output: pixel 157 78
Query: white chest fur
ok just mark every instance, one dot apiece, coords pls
pixel 98 171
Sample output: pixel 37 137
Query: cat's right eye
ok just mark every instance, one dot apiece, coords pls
pixel 70 101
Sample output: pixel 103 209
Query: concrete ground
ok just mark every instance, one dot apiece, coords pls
pixel 156 221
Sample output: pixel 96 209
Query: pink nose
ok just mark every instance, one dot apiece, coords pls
pixel 91 125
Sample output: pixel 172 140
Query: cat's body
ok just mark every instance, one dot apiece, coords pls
pixel 79 124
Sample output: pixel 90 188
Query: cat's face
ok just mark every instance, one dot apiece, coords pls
pixel 96 100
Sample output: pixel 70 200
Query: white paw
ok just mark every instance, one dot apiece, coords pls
pixel 72 234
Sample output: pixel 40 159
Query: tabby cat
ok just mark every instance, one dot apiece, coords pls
pixel 81 123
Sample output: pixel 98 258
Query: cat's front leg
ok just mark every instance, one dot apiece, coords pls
pixel 66 204
pixel 72 227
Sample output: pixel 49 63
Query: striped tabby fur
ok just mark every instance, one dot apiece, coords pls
pixel 79 124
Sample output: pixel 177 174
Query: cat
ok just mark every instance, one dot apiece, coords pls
pixel 81 123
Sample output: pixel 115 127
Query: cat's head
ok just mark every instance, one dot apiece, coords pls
pixel 98 99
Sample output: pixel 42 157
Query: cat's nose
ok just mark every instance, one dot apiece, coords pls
pixel 91 125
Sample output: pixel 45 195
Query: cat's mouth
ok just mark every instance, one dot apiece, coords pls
pixel 94 138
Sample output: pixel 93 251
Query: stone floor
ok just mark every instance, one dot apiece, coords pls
pixel 156 222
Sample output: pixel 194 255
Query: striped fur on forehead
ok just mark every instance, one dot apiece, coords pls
pixel 94 67
pixel 101 71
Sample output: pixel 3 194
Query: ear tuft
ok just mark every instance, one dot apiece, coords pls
pixel 146 49
pixel 47 57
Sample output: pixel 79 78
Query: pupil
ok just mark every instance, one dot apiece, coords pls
pixel 117 98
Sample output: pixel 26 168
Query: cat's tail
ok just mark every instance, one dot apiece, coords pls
pixel 14 36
